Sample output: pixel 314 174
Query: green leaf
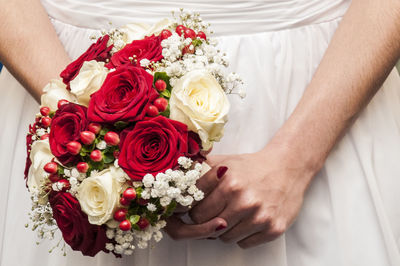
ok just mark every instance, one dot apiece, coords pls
pixel 166 94
pixel 197 42
pixel 167 112
pixel 60 171
pixel 108 157
pixel 166 78
pixel 103 131
pixel 134 219
pixel 139 191
pixel 121 125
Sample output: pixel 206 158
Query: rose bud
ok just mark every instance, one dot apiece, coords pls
pixel 152 111
pixel 51 167
pixel 45 136
pixel 62 102
pixel 96 156
pixel 120 215
pixel 180 29
pixel 143 223
pixel 94 127
pixel 87 137
pixel 82 167
pixel 160 85
pixel 65 183
pixel 161 104
pixel 125 225
pixel 46 121
pixel 202 35
pixel 45 111
pixel 74 147
pixel 189 33
pixel 116 154
pixel 165 34
pixel 124 201
pixel 129 194
pixel 111 138
pixel 54 178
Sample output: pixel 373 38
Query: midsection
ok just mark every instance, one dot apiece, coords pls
pixel 227 17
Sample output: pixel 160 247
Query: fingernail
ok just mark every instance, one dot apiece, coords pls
pixel 219 228
pixel 221 171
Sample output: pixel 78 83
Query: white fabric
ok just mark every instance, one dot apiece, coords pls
pixel 350 215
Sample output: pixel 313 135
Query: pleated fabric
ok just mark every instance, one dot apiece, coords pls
pixel 350 214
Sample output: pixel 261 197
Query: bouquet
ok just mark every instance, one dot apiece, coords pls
pixel 121 138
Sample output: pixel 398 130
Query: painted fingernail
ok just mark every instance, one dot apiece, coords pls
pixel 221 227
pixel 221 171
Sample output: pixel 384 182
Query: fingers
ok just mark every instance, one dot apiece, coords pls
pixel 210 180
pixel 240 231
pixel 208 208
pixel 257 239
pixel 178 230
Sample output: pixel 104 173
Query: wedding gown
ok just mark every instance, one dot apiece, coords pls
pixel 350 214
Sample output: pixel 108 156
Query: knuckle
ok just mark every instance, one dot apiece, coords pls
pixel 232 186
pixel 277 229
pixel 262 219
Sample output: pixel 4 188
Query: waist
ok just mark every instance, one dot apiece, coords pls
pixel 227 17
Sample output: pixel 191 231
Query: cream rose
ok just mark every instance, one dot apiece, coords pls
pixel 137 31
pixel 198 100
pixel 99 195
pixel 40 155
pixel 55 91
pixel 89 80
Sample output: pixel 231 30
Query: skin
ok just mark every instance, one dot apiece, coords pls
pixel 248 211
pixel 260 208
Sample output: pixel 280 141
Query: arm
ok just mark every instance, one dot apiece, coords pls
pixel 29 46
pixel 261 207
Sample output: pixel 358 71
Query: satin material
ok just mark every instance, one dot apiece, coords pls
pixel 350 214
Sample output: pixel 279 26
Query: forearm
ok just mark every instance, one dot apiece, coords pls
pixel 29 46
pixel 362 53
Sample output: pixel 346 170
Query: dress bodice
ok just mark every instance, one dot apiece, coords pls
pixel 227 17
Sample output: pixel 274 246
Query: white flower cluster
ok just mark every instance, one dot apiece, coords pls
pixel 175 185
pixel 127 241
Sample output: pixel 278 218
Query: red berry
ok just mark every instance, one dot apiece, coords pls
pixel 87 137
pixel 180 29
pixel 142 202
pixel 120 215
pixel 161 104
pixel 152 111
pixel 111 138
pixel 94 127
pixel 124 201
pixel 45 111
pixel 62 102
pixel 189 33
pixel 82 167
pixel 160 85
pixel 125 225
pixel 189 49
pixel 143 223
pixel 129 194
pixel 74 147
pixel 165 34
pixel 202 35
pixel 96 156
pixel 51 167
pixel 45 136
pixel 116 154
pixel 66 184
pixel 46 121
pixel 54 178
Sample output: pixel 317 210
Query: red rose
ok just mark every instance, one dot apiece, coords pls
pixel 67 124
pixel 97 51
pixel 29 141
pixel 194 147
pixel 74 225
pixel 148 48
pixel 124 96
pixel 152 147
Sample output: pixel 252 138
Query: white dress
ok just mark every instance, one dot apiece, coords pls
pixel 350 215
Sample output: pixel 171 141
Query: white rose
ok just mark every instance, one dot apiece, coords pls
pixel 198 101
pixel 137 31
pixel 99 195
pixel 53 92
pixel 89 80
pixel 40 155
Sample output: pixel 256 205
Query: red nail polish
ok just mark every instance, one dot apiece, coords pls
pixel 219 228
pixel 221 171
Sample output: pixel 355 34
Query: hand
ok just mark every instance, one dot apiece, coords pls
pixel 258 198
